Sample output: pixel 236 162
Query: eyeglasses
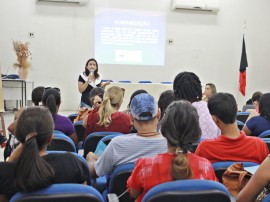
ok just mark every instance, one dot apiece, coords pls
pixel 57 89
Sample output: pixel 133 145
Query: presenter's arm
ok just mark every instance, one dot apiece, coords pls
pixel 82 86
pixel 103 85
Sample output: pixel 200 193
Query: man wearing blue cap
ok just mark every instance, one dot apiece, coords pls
pixel 128 148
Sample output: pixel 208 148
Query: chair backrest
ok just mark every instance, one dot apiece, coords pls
pixel 145 82
pixel 242 116
pixel 267 141
pixel 246 107
pixel 125 81
pixel 72 117
pixel 60 193
pixel 188 190
pixel 83 160
pixel 107 139
pixel 61 142
pixel 221 167
pixel 265 134
pixel 240 124
pixel 118 181
pixel 79 130
pixel 91 141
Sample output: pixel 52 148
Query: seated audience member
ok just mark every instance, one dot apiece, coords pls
pixel 37 95
pixel 187 86
pixel 107 117
pixel 180 126
pixel 165 99
pixel 137 92
pixel 256 184
pixel 29 167
pixel 128 148
pixel 96 97
pixel 255 112
pixel 258 124
pixel 210 90
pixel 51 99
pixel 232 144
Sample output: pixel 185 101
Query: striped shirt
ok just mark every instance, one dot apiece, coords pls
pixel 127 149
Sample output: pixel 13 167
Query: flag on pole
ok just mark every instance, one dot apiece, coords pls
pixel 243 66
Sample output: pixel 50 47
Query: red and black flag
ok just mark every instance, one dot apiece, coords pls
pixel 243 66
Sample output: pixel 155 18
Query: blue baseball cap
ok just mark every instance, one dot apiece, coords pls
pixel 143 107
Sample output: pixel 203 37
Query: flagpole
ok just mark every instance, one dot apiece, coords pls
pixel 244 32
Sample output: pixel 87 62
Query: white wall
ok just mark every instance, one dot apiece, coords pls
pixel 207 44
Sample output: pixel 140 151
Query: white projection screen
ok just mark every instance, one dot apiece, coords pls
pixel 129 37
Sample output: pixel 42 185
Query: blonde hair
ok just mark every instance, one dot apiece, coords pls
pixel 113 98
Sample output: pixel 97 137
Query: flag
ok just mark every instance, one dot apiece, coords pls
pixel 243 66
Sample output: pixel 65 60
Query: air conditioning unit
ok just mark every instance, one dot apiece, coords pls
pixel 200 5
pixel 81 2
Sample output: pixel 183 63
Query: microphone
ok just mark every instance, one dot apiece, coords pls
pixel 92 72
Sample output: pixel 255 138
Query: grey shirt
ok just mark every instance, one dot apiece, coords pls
pixel 127 149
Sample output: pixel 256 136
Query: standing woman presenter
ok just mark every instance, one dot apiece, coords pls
pixel 88 80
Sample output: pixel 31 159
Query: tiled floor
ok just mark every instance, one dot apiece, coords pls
pixel 8 118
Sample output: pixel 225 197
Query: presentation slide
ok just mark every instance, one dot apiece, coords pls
pixel 129 37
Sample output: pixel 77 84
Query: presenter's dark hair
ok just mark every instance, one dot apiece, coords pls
pixel 223 106
pixel 87 72
pixel 165 98
pixel 34 129
pixel 51 99
pixel 187 86
pixel 180 126
pixel 264 106
pixel 37 95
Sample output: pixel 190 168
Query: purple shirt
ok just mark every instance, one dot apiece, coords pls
pixel 208 126
pixel 63 124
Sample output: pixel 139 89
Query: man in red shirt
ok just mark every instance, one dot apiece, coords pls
pixel 232 145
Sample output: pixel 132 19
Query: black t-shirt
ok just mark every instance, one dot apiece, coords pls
pixel 86 92
pixel 67 169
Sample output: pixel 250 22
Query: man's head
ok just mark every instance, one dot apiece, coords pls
pixel 223 106
pixel 144 108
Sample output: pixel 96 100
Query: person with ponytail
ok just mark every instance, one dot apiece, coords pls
pixel 180 126
pixel 107 117
pixel 29 167
pixel 51 99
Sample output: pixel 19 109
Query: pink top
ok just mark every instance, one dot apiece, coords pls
pixel 207 125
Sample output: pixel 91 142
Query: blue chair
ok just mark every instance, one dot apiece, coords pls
pixel 267 141
pixel 91 141
pixel 242 116
pixel 166 82
pixel 188 190
pixel 118 182
pixel 221 166
pixel 266 199
pixel 265 134
pixel 105 80
pixel 61 142
pixel 106 140
pixel 89 182
pixel 124 81
pixel 72 117
pixel 60 193
pixel 145 82
pixel 240 124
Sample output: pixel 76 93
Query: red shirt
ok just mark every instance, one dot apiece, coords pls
pixel 149 172
pixel 120 123
pixel 243 148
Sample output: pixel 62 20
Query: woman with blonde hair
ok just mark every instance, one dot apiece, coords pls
pixel 107 117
